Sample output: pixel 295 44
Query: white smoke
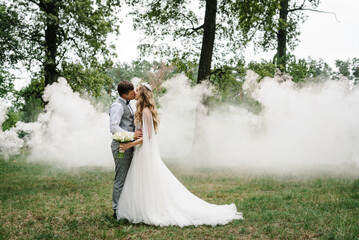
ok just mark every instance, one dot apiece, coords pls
pixel 299 128
pixel 177 115
pixel 70 133
pixel 3 111
pixel 10 144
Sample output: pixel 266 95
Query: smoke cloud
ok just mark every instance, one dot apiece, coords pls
pixel 70 133
pixel 300 128
pixel 9 142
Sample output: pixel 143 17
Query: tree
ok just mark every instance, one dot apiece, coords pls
pixel 208 30
pixel 162 20
pixel 54 31
pixel 127 71
pixel 281 55
pixel 290 15
pixel 348 68
pixel 91 82
pixel 10 45
pixel 29 100
pixel 152 72
pixel 9 48
pixel 281 30
pixel 319 69
pixel 6 84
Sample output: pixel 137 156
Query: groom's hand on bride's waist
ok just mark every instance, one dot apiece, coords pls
pixel 138 134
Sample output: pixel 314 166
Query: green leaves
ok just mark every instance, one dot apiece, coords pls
pixel 6 84
pixel 348 68
pixel 45 35
pixel 30 100
pixel 10 51
pixel 91 82
pixel 85 26
pixel 170 27
pixel 81 29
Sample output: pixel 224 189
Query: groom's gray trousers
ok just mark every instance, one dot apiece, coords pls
pixel 121 167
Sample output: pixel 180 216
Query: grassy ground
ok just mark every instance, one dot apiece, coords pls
pixel 40 202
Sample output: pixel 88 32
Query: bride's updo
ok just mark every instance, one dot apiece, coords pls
pixel 146 100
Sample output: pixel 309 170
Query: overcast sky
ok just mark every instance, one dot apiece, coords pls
pixel 321 35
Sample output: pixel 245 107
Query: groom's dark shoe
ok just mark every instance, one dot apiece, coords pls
pixel 114 214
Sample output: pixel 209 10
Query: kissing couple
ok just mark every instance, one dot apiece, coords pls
pixel 145 190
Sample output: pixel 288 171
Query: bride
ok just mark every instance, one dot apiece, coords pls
pixel 151 193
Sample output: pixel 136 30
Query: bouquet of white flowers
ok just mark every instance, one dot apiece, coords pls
pixel 123 137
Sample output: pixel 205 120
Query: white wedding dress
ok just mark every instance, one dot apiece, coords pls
pixel 153 195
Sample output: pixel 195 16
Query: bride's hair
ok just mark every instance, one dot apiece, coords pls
pixel 146 100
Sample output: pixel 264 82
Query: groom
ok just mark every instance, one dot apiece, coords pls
pixel 122 119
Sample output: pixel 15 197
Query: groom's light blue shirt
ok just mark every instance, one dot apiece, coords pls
pixel 116 112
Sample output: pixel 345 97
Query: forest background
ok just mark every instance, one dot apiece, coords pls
pixel 204 40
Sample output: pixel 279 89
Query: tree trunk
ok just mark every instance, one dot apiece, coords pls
pixel 205 61
pixel 52 28
pixel 282 36
pixel 204 72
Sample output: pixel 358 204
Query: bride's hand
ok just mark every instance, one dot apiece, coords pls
pixel 138 134
pixel 124 146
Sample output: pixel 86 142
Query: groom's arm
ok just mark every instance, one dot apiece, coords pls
pixel 116 112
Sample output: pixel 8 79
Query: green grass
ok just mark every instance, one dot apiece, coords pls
pixel 41 202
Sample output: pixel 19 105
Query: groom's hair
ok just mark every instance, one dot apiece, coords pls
pixel 124 87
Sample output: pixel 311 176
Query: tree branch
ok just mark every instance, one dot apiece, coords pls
pixel 40 4
pixel 34 38
pixel 62 56
pixel 75 42
pixel 62 35
pixel 303 4
pixel 188 19
pixel 188 32
pixel 313 10
pixel 77 47
pixel 193 28
pixel 62 38
pixel 254 32
pixel 33 1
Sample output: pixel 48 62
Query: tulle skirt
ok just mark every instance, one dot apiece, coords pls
pixel 153 195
